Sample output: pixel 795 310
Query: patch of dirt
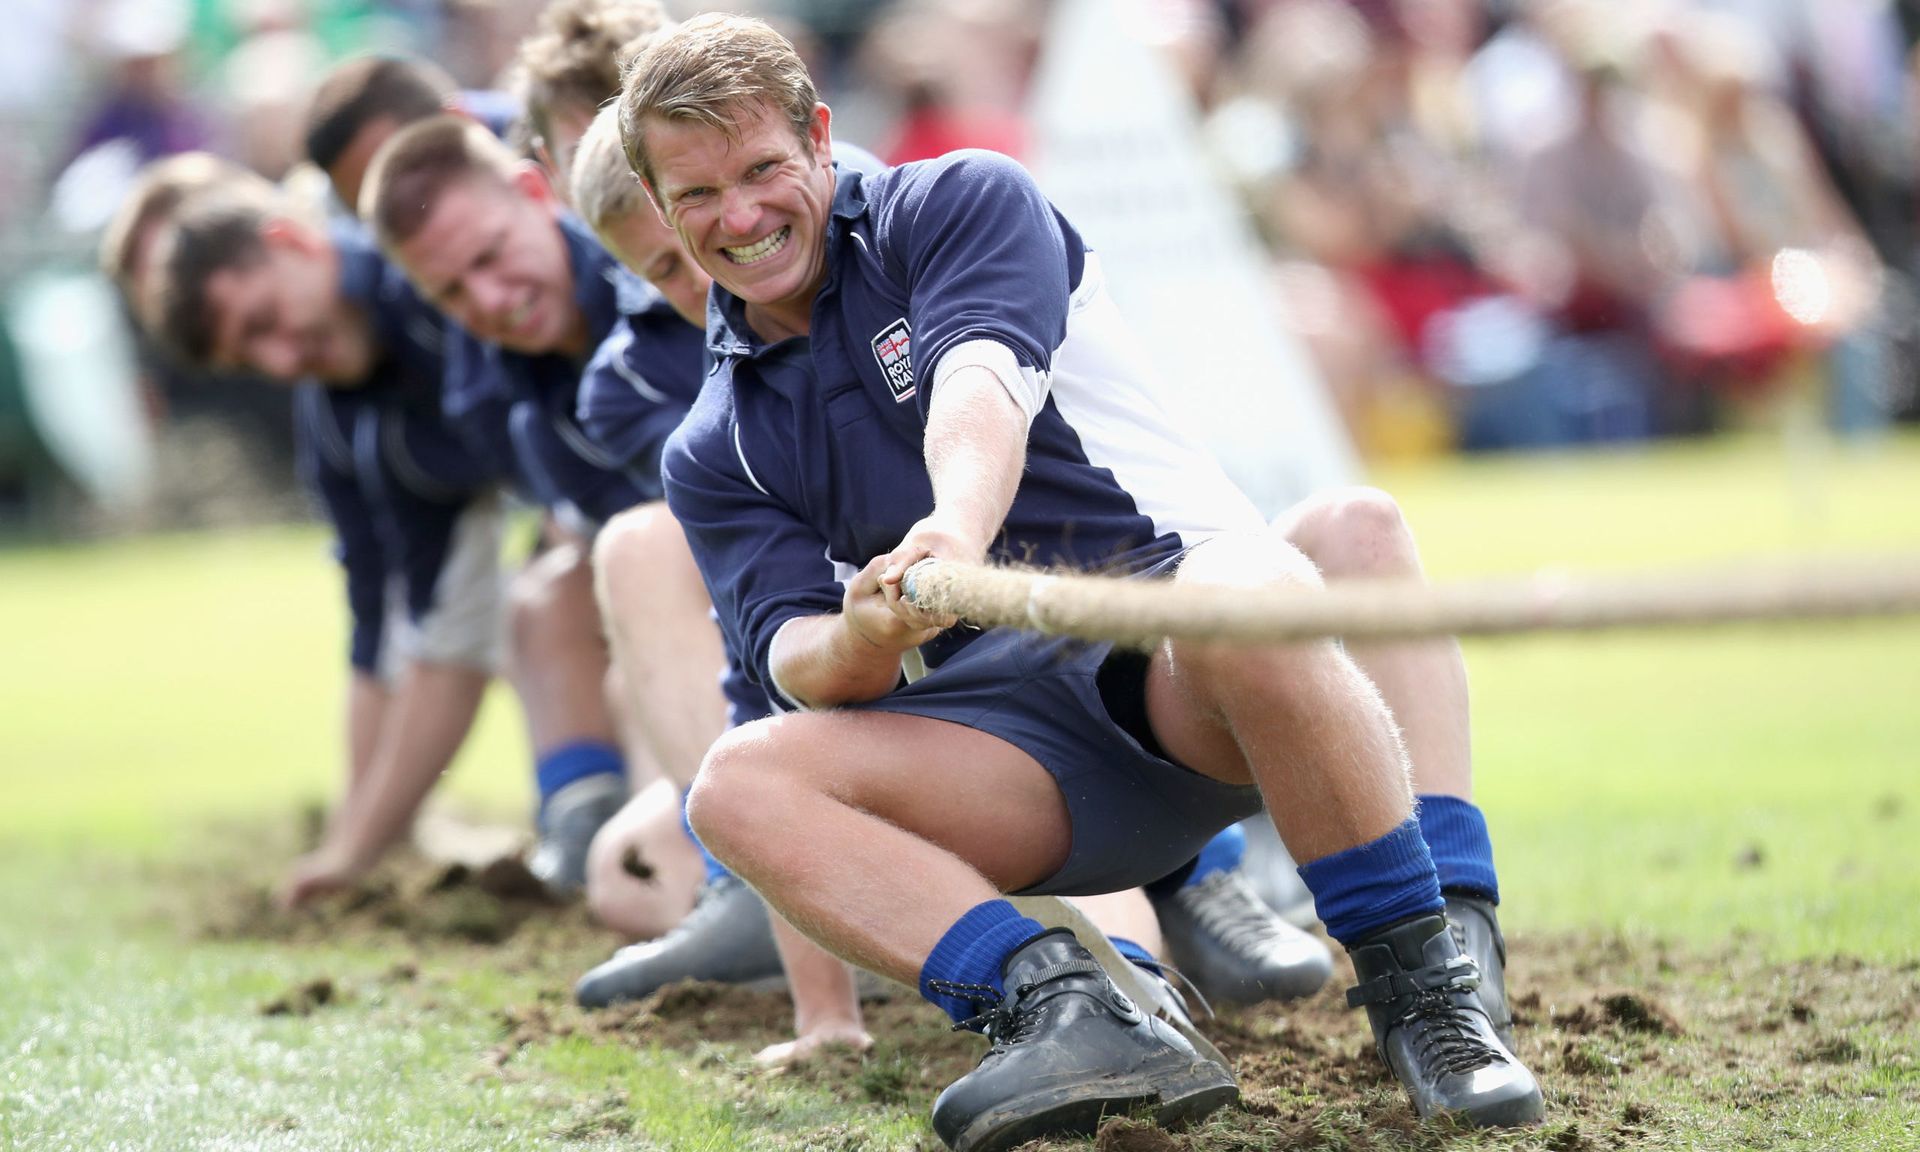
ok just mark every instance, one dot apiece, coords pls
pixel 417 899
pixel 1630 1037
pixel 302 1000
pixel 1122 1135
pixel 1668 1030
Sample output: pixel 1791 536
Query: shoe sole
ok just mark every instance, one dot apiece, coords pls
pixel 1196 1092
pixel 1520 1111
pixel 590 999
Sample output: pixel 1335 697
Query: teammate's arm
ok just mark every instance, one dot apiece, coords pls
pixel 427 719
pixel 367 699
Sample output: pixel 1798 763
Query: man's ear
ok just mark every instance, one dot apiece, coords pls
pixel 530 179
pixel 820 134
pixel 286 232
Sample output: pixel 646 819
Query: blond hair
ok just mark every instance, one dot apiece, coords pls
pixel 418 164
pixel 604 189
pixel 710 71
pixel 575 53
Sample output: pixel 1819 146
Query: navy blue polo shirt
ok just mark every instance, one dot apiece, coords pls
pixel 391 472
pixel 640 383
pixel 565 464
pixel 804 459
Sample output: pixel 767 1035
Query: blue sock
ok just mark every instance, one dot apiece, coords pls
pixel 1223 853
pixel 715 870
pixel 559 767
pixel 1456 834
pixel 1139 956
pixel 972 953
pixel 1372 885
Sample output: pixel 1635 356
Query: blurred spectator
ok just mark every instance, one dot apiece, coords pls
pixel 146 104
pixel 34 66
pixel 1595 199
pixel 940 108
pixel 1782 265
pixel 480 38
pixel 264 81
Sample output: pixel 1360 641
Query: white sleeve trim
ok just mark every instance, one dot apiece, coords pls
pixel 780 698
pixel 1027 387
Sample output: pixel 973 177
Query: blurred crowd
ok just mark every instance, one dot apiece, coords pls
pixel 1493 223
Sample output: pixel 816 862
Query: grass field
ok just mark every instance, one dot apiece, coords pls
pixel 1716 825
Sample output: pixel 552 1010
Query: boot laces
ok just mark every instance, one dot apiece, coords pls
pixel 1009 1019
pixel 1229 912
pixel 1448 1039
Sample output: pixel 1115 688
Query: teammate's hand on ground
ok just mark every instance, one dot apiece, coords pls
pixel 867 610
pixel 799 1050
pixel 317 874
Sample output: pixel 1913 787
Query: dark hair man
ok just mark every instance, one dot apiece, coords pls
pixel 243 281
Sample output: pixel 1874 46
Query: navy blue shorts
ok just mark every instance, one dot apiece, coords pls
pixel 1136 816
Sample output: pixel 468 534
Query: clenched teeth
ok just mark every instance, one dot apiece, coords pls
pixel 760 250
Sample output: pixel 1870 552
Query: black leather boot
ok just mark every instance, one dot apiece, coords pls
pixel 1476 928
pixel 1420 993
pixel 1068 1048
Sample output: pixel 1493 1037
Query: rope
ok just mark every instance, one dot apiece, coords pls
pixel 1140 613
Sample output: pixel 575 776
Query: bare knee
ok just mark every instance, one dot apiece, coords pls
pixel 628 548
pixel 1264 559
pixel 550 608
pixel 1213 672
pixel 734 797
pixel 1355 532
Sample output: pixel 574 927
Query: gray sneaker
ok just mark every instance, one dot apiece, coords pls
pixel 1234 948
pixel 725 939
pixel 567 824
pixel 1270 869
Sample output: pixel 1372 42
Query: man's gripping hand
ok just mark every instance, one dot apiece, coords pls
pixel 931 537
pixel 876 616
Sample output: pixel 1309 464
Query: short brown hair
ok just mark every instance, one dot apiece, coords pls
pixel 220 229
pixel 603 187
pixel 162 187
pixel 575 53
pixel 420 162
pixel 708 71
pixel 368 88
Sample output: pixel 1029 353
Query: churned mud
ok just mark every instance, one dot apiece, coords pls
pixel 1638 1043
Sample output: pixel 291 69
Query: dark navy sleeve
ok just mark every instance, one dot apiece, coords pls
pixel 636 390
pixel 981 255
pixel 762 563
pixel 419 525
pixel 324 460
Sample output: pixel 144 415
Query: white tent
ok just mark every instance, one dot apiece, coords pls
pixel 1117 146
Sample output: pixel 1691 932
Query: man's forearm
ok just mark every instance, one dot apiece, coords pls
pixel 427 720
pixel 976 449
pixel 367 700
pixel 818 662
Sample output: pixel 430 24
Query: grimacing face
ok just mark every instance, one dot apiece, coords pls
pixel 751 207
pixel 643 242
pixel 282 316
pixel 491 256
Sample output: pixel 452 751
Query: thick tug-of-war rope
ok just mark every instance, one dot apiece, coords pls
pixel 1140 613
